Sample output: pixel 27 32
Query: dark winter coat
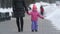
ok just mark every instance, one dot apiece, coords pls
pixel 19 8
pixel 41 9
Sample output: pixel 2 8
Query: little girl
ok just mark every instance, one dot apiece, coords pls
pixel 34 18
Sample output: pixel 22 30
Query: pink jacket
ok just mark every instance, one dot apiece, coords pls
pixel 35 15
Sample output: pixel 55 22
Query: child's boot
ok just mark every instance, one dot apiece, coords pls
pixel 32 30
pixel 36 30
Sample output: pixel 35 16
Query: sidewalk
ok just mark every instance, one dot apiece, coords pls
pixel 45 27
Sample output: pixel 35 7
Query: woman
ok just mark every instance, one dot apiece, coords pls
pixel 19 8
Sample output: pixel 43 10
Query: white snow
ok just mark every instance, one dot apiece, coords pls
pixel 6 10
pixel 55 18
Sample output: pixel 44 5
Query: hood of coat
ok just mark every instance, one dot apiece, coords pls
pixel 34 8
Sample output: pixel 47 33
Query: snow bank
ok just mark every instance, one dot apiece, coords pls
pixel 55 18
pixel 49 9
pixel 6 10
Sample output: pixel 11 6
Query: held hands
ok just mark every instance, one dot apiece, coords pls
pixel 26 11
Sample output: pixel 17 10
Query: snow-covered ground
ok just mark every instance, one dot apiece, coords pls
pixel 55 18
pixel 51 11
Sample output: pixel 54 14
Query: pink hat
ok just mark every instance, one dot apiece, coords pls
pixel 34 6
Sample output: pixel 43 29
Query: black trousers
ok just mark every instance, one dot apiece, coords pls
pixel 19 22
pixel 42 13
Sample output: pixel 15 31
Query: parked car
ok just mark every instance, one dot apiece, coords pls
pixel 4 16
